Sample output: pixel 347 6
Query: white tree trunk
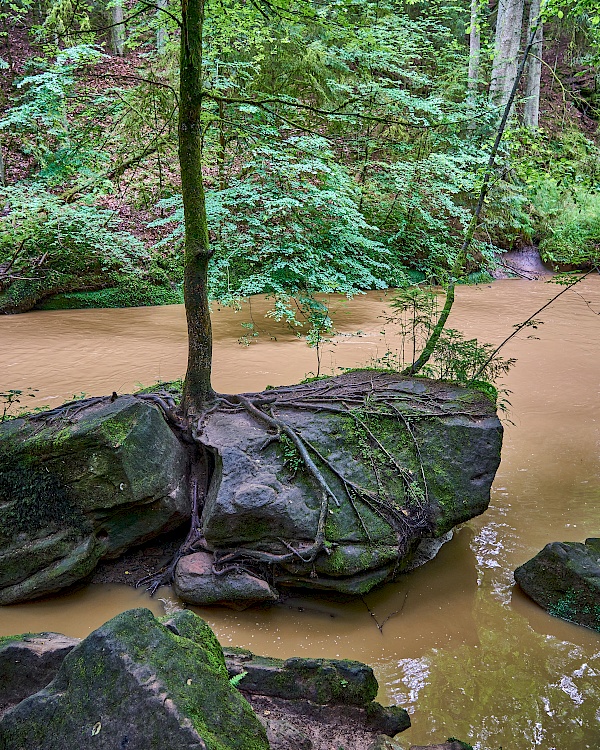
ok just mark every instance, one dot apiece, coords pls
pixel 2 168
pixel 506 50
pixel 531 114
pixel 161 32
pixel 474 47
pixel 118 28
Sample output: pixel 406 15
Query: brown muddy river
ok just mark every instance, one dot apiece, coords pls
pixel 464 652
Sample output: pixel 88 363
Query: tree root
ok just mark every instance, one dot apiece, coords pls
pixel 69 410
pixel 194 540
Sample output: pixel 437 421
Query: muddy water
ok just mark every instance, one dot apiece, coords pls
pixel 467 654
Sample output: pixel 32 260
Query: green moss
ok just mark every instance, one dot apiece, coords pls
pixel 6 639
pixel 173 387
pixel 292 460
pixel 573 607
pixel 116 431
pixel 36 499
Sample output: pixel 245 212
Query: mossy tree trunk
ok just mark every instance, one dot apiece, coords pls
pixel 197 387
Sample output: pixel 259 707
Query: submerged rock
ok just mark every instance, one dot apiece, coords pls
pixel 83 487
pixel 564 579
pixel 135 684
pixel 407 459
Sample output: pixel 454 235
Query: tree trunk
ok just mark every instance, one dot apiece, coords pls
pixel 161 32
pixel 118 28
pixel 474 48
pixel 531 114
pixel 2 168
pixel 197 387
pixel 509 25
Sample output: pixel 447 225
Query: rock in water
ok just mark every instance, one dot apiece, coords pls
pixel 138 685
pixel 196 583
pixel 82 487
pixel 564 579
pixel 323 681
pixel 408 459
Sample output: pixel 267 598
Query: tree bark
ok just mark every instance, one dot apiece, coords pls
pixel 531 114
pixel 474 48
pixel 509 25
pixel 197 387
pixel 118 29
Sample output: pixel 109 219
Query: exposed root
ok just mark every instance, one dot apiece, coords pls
pixel 69 410
pixel 194 540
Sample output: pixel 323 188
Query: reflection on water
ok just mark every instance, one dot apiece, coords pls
pixel 466 653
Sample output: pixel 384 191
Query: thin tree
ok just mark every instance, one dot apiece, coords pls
pixel 459 264
pixel 474 47
pixel 197 390
pixel 117 27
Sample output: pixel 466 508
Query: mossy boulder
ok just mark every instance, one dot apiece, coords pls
pixel 84 486
pixel 424 451
pixel 324 681
pixel 135 684
pixel 131 292
pixel 564 579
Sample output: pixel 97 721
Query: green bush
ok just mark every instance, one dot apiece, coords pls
pixel 72 255
pixel 131 293
pixel 575 238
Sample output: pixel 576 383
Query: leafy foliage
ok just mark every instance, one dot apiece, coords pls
pixel 342 150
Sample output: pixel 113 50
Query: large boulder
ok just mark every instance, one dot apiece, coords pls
pixel 139 685
pixel 84 485
pixel 564 579
pixel 408 459
pixel 136 671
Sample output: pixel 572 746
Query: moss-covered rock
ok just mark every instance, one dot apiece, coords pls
pixel 130 292
pixel 324 681
pixel 135 684
pixel 83 487
pixel 423 452
pixel 564 579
